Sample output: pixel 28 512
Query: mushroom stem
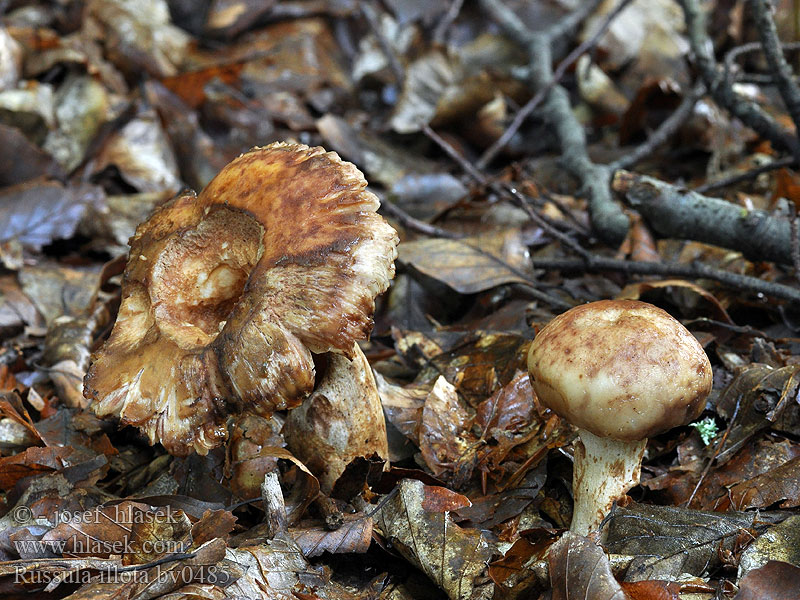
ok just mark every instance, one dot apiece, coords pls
pixel 605 469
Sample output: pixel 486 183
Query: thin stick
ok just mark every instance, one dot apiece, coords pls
pixel 689 271
pixel 558 73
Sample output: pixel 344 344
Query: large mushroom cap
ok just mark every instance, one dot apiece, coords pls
pixel 227 294
pixel 621 369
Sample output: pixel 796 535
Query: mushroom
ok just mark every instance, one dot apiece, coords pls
pixel 227 294
pixel 621 371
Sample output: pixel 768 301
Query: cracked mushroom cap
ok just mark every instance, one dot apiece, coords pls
pixel 227 294
pixel 621 369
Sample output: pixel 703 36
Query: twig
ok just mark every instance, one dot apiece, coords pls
pixel 794 223
pixel 694 270
pixel 675 212
pixel 413 224
pixel 523 113
pixel 746 176
pixel 273 504
pixel 784 78
pixel 721 89
pixel 371 17
pixel 503 190
pixel 608 219
pixel 717 448
pixel 462 162
pixel 733 54
pixel 446 21
pixel 664 131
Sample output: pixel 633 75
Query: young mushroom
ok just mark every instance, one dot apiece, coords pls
pixel 621 371
pixel 227 294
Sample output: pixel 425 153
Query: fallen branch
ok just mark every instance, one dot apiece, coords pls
pixel 784 78
pixel 721 89
pixel 694 270
pixel 608 219
pixel 675 212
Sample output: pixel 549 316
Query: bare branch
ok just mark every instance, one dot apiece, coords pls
pixel 721 89
pixel 664 131
pixel 784 78
pixel 608 219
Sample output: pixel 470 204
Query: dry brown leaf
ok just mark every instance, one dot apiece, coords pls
pixel 779 486
pixel 135 530
pixel 31 461
pixel 38 212
pixel 354 535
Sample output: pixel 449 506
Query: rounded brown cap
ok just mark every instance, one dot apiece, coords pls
pixel 621 369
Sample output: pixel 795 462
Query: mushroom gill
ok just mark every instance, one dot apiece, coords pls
pixel 227 294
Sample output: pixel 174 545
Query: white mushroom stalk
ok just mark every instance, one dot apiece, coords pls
pixel 621 371
pixel 605 469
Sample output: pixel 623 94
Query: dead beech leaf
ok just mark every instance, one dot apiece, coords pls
pixel 451 556
pixel 21 160
pixel 16 309
pixel 139 36
pixel 132 529
pixel 143 155
pixel 473 264
pixel 761 397
pixel 213 524
pixel 271 570
pixel 652 590
pixel 403 405
pixel 447 445
pixel 427 80
pixel 37 212
pixel 249 464
pixel 31 461
pixel 354 535
pixel 774 581
pixel 780 485
pixel 779 542
pixel 480 365
pixel 204 568
pixel 668 541
pixel 579 568
pixel 635 291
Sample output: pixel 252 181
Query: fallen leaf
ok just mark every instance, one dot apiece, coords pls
pixel 39 211
pixel 451 556
pixel 471 265
pixel 774 581
pixel 580 569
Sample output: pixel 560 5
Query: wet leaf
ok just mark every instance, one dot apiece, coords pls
pixel 446 443
pixel 774 581
pixel 780 486
pixel 472 264
pixel 354 535
pixel 274 570
pixel 779 542
pixel 452 557
pixel 668 541
pixel 580 569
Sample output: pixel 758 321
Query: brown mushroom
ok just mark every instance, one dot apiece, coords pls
pixel 227 294
pixel 620 371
